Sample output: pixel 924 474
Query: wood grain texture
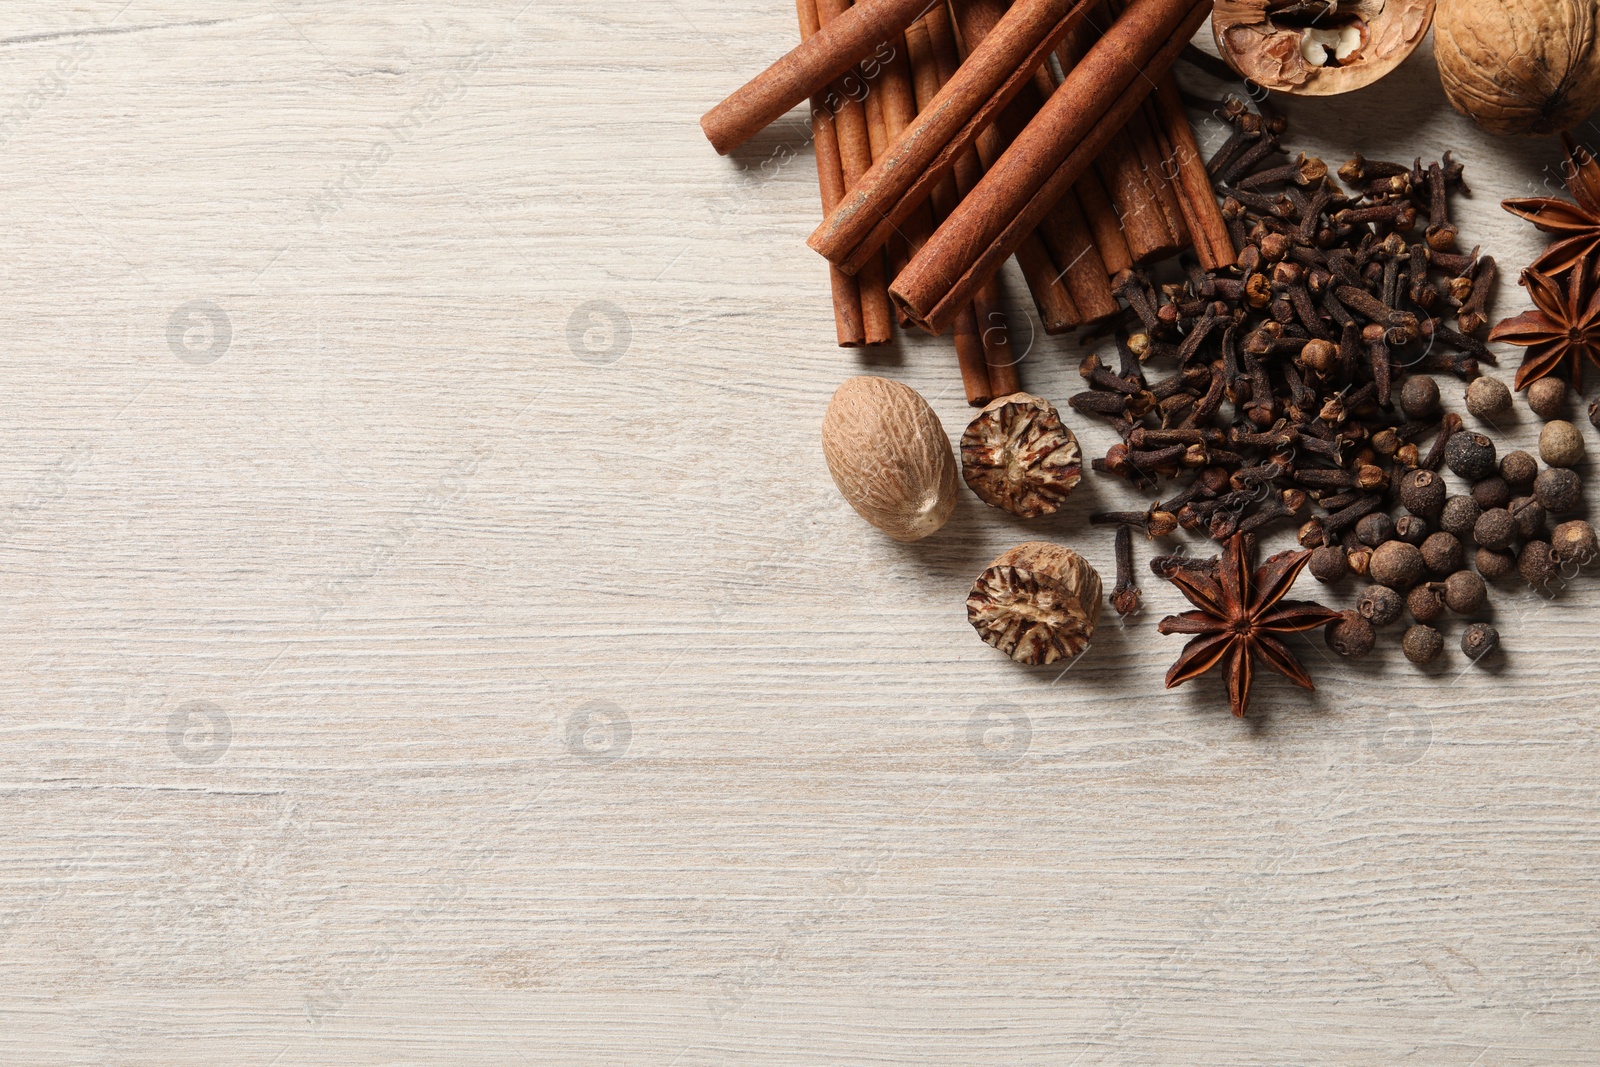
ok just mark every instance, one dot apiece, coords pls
pixel 411 389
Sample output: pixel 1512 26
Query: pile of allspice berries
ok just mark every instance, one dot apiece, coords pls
pixel 1506 516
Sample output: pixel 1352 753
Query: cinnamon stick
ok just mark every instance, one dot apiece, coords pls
pixel 830 179
pixel 1101 216
pixel 975 20
pixel 1097 99
pixel 1212 243
pixel 855 153
pixel 1166 223
pixel 925 79
pixel 899 98
pixel 988 303
pixel 807 71
pixel 994 74
pixel 1071 242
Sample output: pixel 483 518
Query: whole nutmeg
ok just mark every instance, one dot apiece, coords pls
pixel 1442 553
pixel 1380 605
pixel 1574 542
pixel 890 458
pixel 1494 565
pixel 1422 644
pixel 1344 47
pixel 1479 640
pixel 1560 444
pixel 1422 493
pixel 1492 492
pixel 1460 515
pixel 1465 593
pixel 1519 468
pixel 1488 398
pixel 1396 565
pixel 1560 490
pixel 1471 455
pixel 1419 398
pixel 1537 564
pixel 1017 456
pixel 1351 636
pixel 1038 603
pixel 1519 67
pixel 1426 603
pixel 1496 529
pixel 1329 564
pixel 1547 396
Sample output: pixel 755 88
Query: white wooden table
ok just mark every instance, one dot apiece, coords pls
pixel 431 636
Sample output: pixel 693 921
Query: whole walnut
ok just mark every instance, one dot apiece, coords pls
pixel 1525 67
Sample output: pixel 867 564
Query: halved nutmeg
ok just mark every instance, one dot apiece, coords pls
pixel 1318 47
pixel 1038 603
pixel 1017 455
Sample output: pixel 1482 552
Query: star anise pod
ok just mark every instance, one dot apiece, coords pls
pixel 1578 225
pixel 1562 326
pixel 1241 609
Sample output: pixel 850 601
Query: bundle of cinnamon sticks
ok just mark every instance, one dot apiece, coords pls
pixel 952 135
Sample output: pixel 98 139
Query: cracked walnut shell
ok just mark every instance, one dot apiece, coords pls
pixel 1519 66
pixel 1038 603
pixel 1017 455
pixel 1318 47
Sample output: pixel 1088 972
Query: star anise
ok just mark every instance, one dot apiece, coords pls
pixel 1241 609
pixel 1562 326
pixel 1578 225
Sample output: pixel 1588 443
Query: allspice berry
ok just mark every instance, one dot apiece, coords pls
pixel 1422 492
pixel 1574 542
pixel 1425 602
pixel 1380 605
pixel 1495 529
pixel 1537 564
pixel 1471 455
pixel 1492 492
pixel 1465 593
pixel 1442 553
pixel 1560 444
pixel 1038 603
pixel 1479 640
pixel 1351 636
pixel 1359 560
pixel 1373 530
pixel 1519 468
pixel 1594 414
pixel 1529 515
pixel 1329 564
pixel 1411 530
pixel 1460 515
pixel 1419 398
pixel 1396 565
pixel 1495 566
pixel 1488 398
pixel 1422 644
pixel 1547 396
pixel 1559 490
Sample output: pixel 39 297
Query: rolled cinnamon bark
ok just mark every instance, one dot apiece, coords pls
pixel 975 20
pixel 1101 216
pixel 1212 244
pixel 1097 99
pixel 855 153
pixel 968 338
pixel 830 180
pixel 807 70
pixel 993 75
